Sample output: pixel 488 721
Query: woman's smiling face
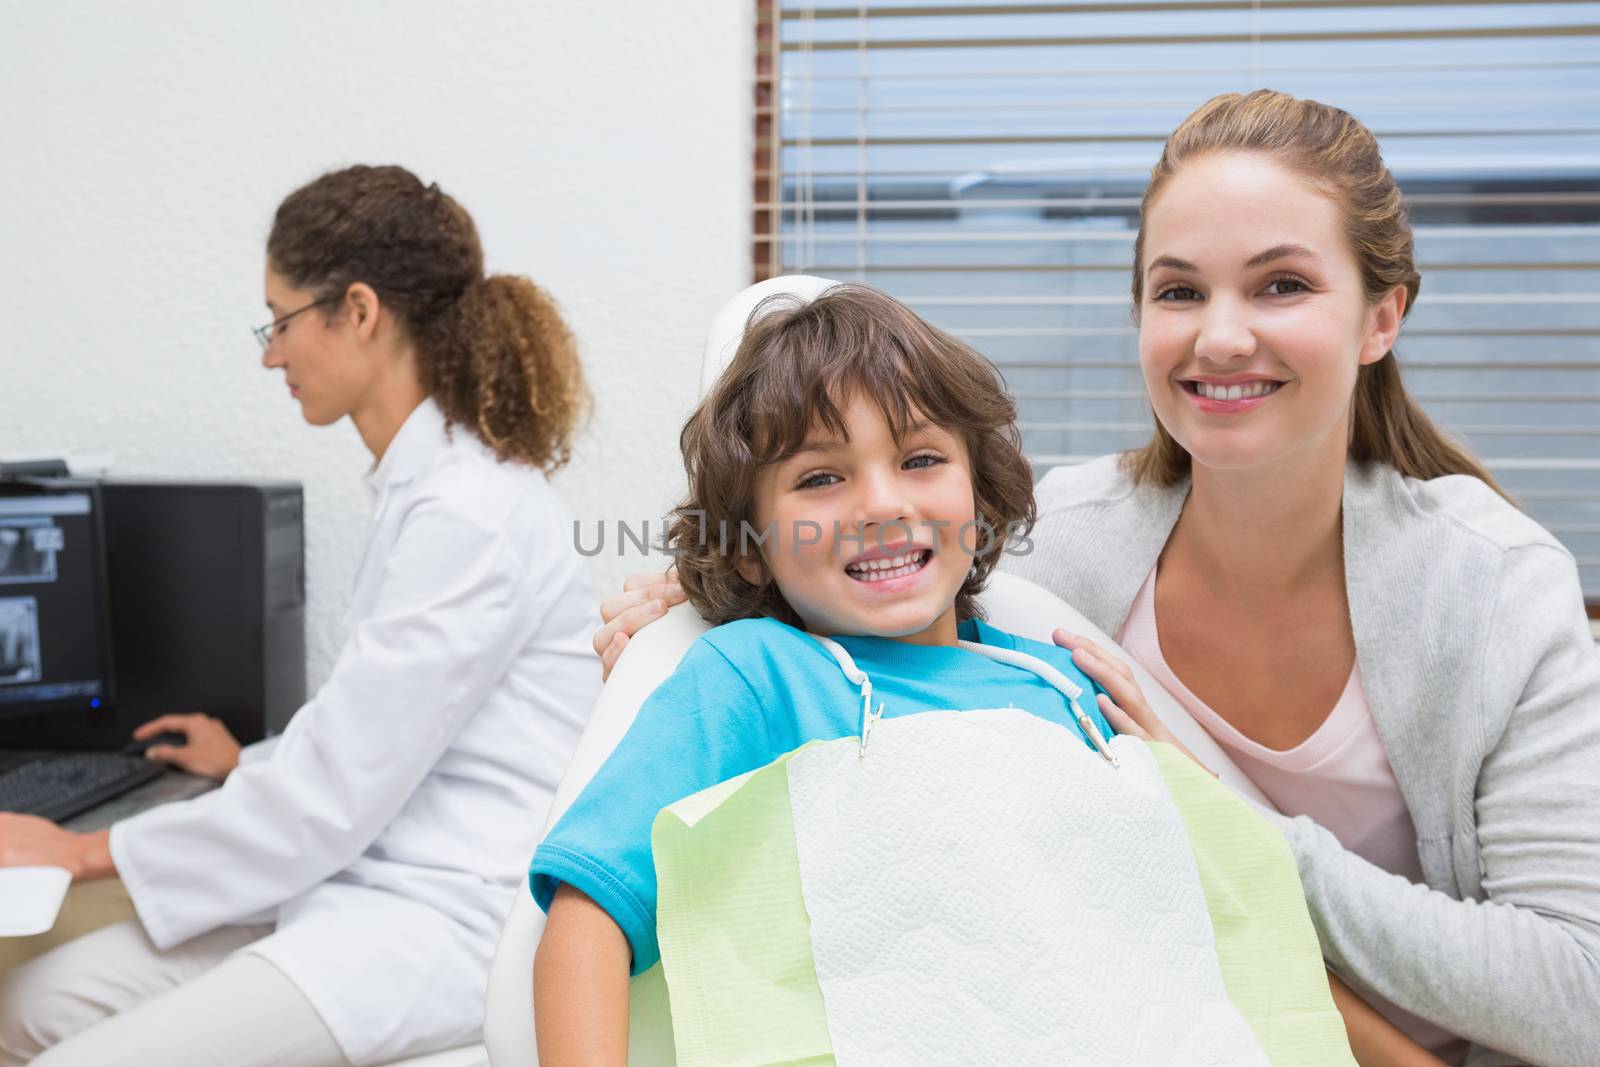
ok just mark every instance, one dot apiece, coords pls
pixel 1254 320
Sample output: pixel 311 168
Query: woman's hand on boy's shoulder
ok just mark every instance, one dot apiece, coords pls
pixel 1125 708
pixel 646 596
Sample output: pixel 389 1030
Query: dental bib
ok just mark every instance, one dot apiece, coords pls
pixel 980 886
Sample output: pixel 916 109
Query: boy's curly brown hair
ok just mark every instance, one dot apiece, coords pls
pixel 797 367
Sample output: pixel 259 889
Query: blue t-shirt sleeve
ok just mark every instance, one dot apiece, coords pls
pixel 702 726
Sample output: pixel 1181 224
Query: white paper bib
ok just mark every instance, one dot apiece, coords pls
pixel 990 864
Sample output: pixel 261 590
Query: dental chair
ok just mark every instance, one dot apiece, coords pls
pixel 1012 604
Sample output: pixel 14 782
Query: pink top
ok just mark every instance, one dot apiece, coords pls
pixel 1339 776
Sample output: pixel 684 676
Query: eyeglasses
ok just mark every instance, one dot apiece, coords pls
pixel 266 333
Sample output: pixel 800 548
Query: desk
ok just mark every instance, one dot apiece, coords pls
pixel 91 905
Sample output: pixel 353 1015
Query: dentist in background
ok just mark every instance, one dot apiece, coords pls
pixel 338 899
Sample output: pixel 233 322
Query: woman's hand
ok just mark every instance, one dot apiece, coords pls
pixel 646 596
pixel 29 841
pixel 1125 708
pixel 211 751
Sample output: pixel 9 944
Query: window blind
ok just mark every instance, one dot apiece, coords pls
pixel 984 163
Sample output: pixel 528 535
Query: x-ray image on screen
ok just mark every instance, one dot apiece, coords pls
pixel 19 640
pixel 28 548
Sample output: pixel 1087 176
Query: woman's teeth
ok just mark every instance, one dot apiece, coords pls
pixel 1235 392
pixel 881 570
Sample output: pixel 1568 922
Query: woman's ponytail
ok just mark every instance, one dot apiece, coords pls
pixel 493 352
pixel 500 359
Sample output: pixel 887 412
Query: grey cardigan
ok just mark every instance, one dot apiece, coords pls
pixel 1484 682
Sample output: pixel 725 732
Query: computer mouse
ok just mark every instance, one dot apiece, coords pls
pixel 166 737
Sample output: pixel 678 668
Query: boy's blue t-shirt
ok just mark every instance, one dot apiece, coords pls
pixel 744 694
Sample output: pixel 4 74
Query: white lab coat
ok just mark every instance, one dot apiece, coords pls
pixel 389 827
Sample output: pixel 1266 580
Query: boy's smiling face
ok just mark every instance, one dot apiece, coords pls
pixel 905 511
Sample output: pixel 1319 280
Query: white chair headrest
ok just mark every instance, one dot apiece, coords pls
pixel 728 326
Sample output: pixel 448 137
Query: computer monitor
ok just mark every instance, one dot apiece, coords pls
pixel 55 644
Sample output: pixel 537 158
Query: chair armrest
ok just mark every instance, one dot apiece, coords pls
pixel 508 1004
pixel 508 1028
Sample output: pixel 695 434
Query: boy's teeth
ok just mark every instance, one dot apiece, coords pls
pixel 886 564
pixel 893 567
pixel 1236 392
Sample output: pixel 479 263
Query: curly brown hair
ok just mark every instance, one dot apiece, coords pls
pixel 798 365
pixel 493 352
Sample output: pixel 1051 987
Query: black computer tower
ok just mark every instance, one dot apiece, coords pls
pixel 208 595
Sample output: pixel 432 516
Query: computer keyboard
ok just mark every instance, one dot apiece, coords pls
pixel 59 787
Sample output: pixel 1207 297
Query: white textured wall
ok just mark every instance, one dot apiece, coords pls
pixel 603 149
